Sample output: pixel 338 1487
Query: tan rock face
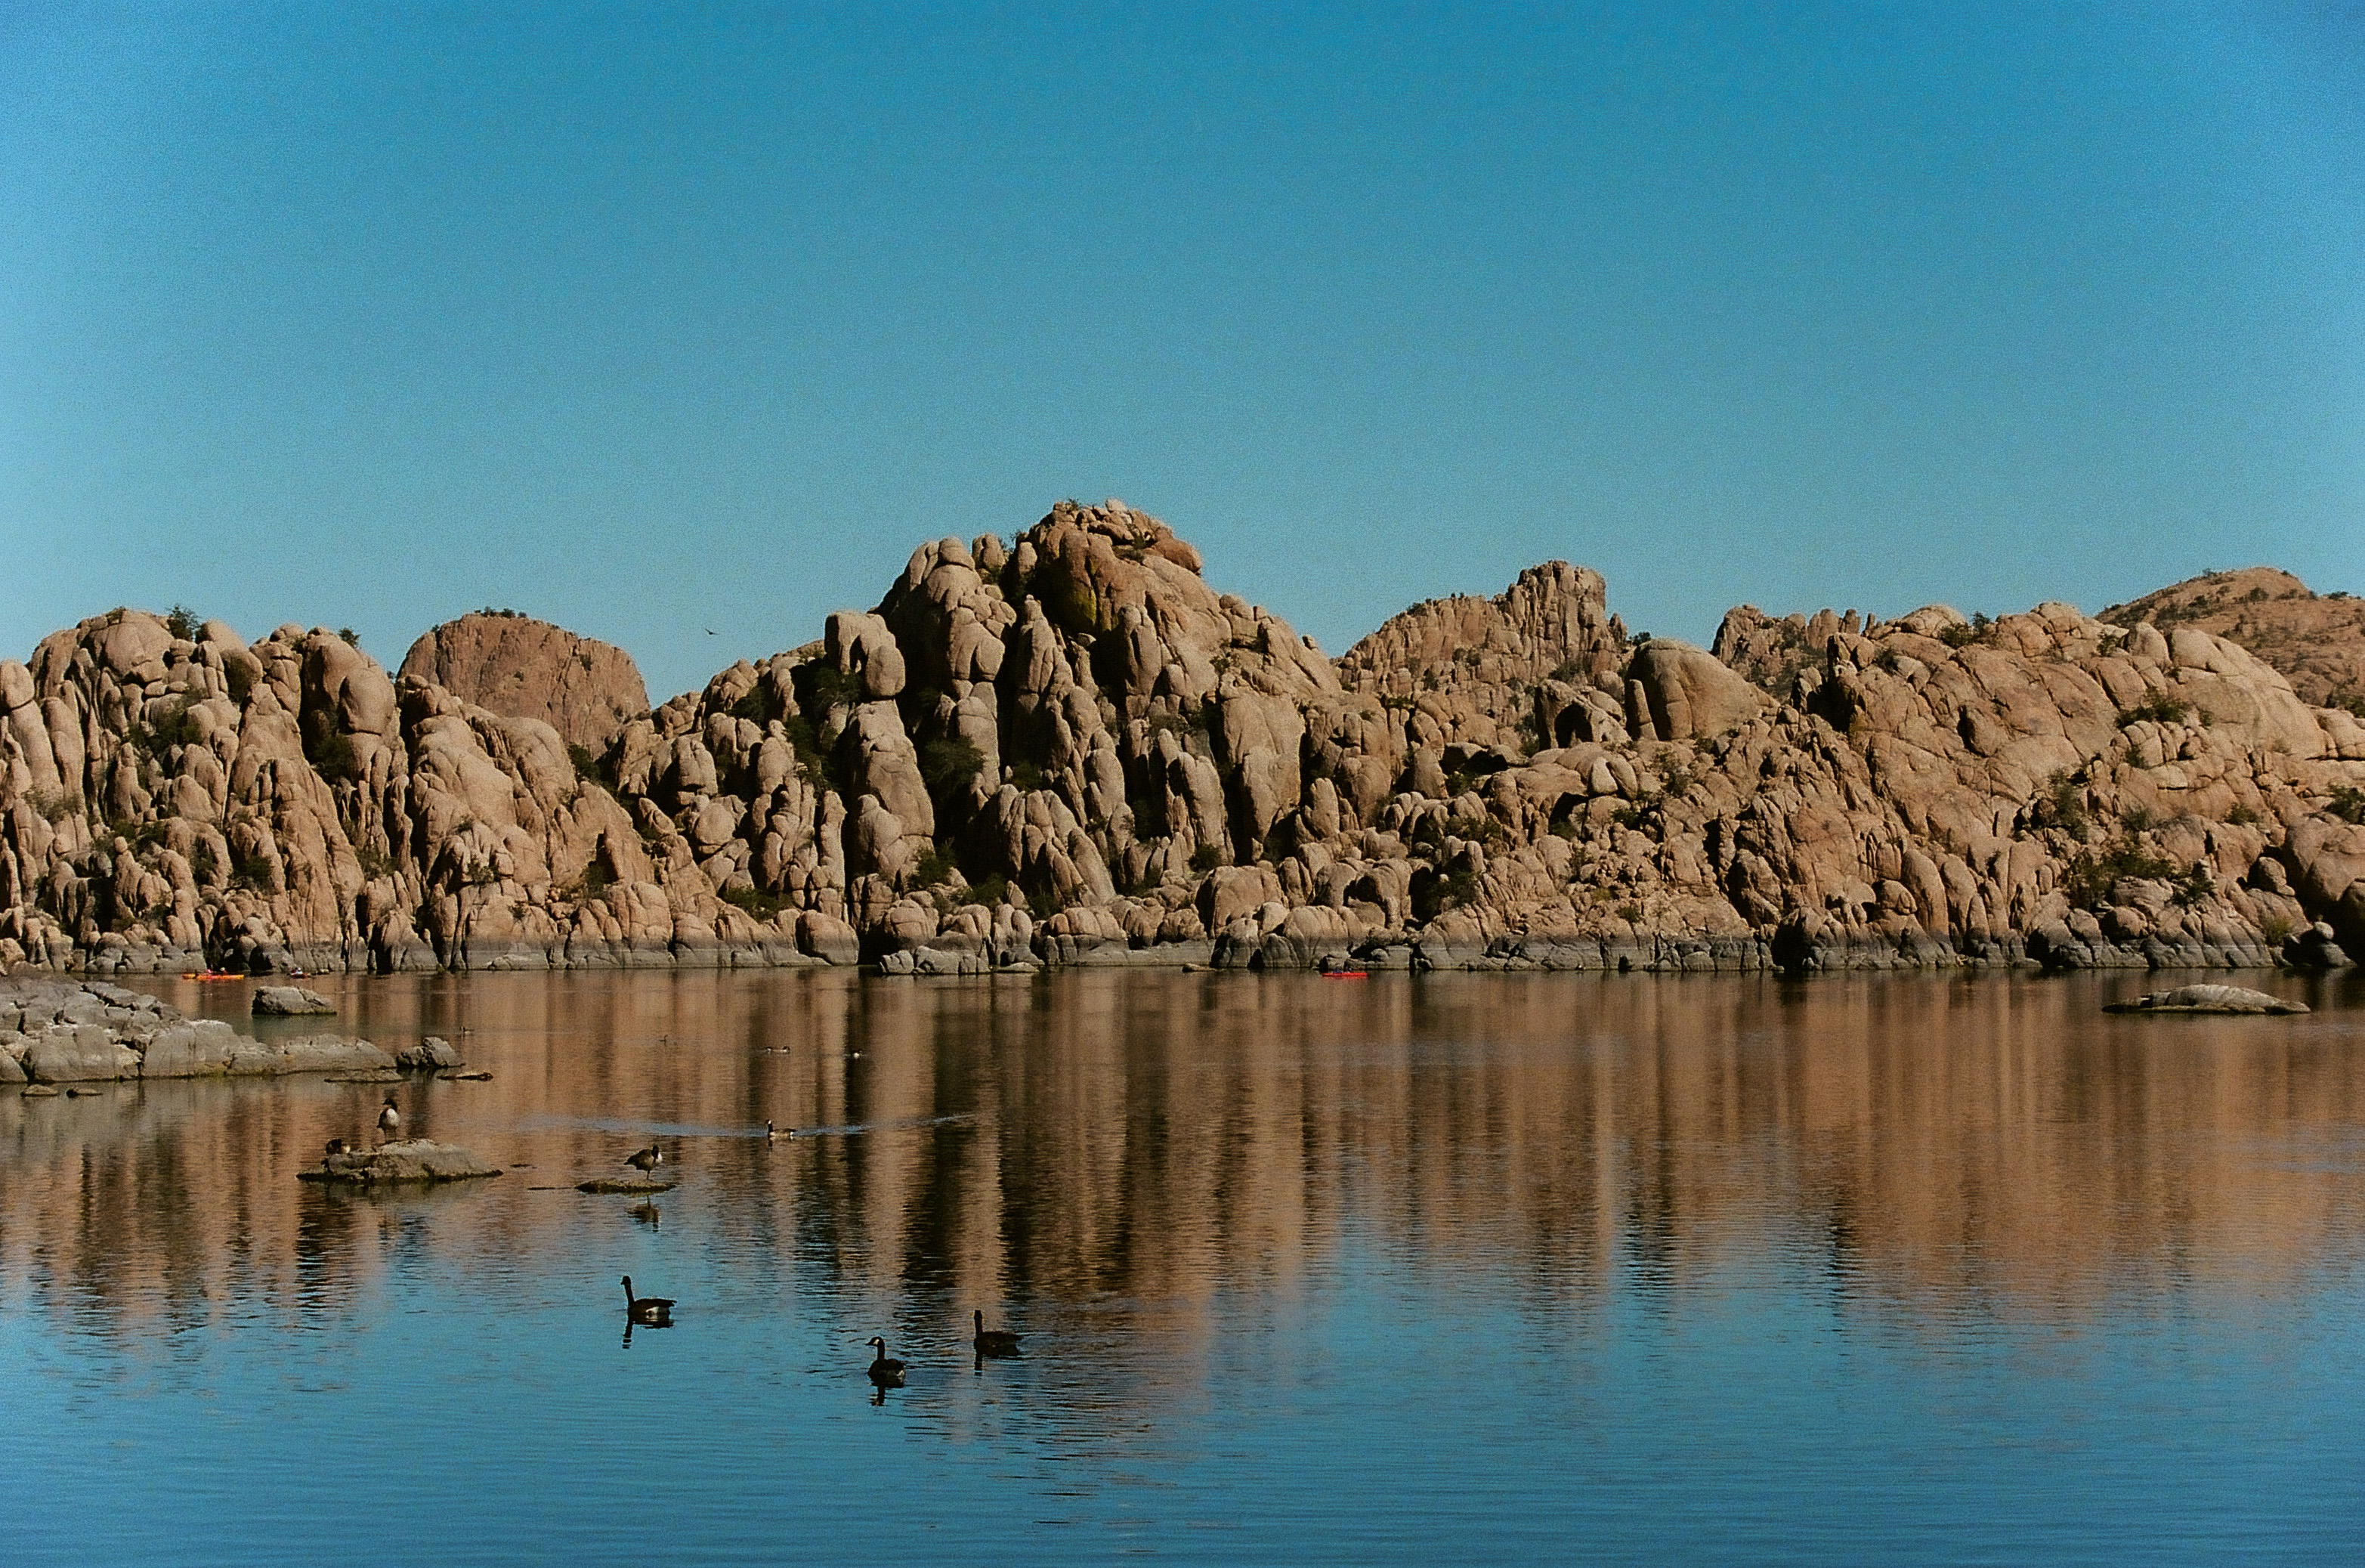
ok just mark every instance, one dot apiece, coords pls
pixel 2317 641
pixel 1074 746
pixel 524 669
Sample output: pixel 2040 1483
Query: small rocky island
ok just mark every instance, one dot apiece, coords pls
pixel 2228 999
pixel 391 1164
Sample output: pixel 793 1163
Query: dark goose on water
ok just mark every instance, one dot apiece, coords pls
pixel 992 1341
pixel 652 1311
pixel 885 1370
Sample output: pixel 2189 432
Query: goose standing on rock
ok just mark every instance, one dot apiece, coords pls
pixel 992 1341
pixel 389 1121
pixel 646 1160
pixel 885 1370
pixel 649 1310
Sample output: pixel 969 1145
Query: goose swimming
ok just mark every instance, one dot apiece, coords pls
pixel 649 1310
pixel 992 1341
pixel 885 1370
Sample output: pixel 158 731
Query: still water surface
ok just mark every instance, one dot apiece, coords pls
pixel 1512 1267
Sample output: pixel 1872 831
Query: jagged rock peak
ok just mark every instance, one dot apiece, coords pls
pixel 524 669
pixel 1770 654
pixel 1551 622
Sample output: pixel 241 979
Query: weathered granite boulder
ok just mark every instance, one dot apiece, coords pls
pixel 2228 999
pixel 291 1001
pixel 434 1054
pixel 419 1159
pixel 524 669
pixel 78 1053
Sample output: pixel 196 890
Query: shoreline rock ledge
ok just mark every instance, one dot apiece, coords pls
pixel 2232 1000
pixel 418 1159
pixel 65 1031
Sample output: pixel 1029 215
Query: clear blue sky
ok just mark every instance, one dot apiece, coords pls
pixel 650 322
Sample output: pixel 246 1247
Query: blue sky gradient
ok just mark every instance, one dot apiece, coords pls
pixel 650 322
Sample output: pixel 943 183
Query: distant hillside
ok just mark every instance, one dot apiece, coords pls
pixel 2318 641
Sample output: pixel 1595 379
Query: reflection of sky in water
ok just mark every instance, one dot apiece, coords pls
pixel 1634 1269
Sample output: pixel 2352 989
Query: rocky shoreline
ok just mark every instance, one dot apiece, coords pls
pixel 1068 749
pixel 62 1032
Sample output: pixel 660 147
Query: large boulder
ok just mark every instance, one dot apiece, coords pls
pixel 523 668
pixel 291 1001
pixel 418 1161
pixel 1677 692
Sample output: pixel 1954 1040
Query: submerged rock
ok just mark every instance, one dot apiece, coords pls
pixel 2230 998
pixel 291 1001
pixel 419 1159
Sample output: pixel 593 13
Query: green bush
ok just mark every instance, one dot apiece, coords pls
pixel 935 867
pixel 1206 858
pixel 756 903
pixel 992 890
pixel 173 725
pixel 2348 803
pixel 948 763
pixel 2160 707
pixel 2064 804
pixel 829 686
pixel 353 638
pixel 335 757
pixel 593 766
pixel 58 804
pixel 2092 874
pixel 1027 776
pixel 181 622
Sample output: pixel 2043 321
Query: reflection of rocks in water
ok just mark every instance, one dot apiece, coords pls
pixel 1160 1138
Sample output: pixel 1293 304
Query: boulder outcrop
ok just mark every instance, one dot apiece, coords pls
pixel 1069 747
pixel 2318 641
pixel 523 669
pixel 420 1160
pixel 54 1031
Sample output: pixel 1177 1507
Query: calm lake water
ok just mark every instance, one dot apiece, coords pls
pixel 1515 1267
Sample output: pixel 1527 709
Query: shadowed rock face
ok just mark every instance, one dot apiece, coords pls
pixel 523 668
pixel 1072 748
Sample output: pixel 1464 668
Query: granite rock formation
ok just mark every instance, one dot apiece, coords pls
pixel 2318 641
pixel 523 668
pixel 1070 748
pixel 54 1031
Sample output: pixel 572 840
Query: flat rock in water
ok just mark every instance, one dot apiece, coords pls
pixel 291 1001
pixel 2227 999
pixel 416 1160
pixel 629 1188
